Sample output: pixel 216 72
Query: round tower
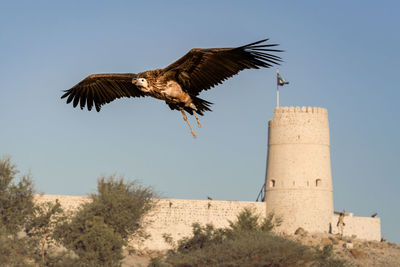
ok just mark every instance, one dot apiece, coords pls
pixel 298 180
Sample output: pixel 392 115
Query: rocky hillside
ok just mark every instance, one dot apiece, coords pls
pixel 355 251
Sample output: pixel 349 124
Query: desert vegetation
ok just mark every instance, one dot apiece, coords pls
pixel 249 241
pixel 100 230
pixel 44 234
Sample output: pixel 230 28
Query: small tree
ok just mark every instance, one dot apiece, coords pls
pixel 100 228
pixel 122 205
pixel 270 223
pixel 202 236
pixel 14 250
pixel 249 221
pixel 16 199
pixel 98 244
pixel 16 207
pixel 40 228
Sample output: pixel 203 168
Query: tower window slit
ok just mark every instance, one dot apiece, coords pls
pixel 272 183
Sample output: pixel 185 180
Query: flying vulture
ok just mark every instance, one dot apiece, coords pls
pixel 180 83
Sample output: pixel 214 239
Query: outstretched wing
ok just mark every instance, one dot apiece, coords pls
pixel 100 89
pixel 202 69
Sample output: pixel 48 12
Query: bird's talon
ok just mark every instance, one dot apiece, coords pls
pixel 185 118
pixel 197 119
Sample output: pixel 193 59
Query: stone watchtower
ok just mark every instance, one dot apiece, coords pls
pixel 298 180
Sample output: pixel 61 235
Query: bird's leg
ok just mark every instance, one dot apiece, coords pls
pixel 197 119
pixel 186 119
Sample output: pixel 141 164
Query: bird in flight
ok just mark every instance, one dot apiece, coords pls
pixel 180 83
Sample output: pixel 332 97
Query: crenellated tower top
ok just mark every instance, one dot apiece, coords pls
pixel 299 125
pixel 300 110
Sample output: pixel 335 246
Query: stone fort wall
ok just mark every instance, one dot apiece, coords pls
pixel 176 216
pixel 367 228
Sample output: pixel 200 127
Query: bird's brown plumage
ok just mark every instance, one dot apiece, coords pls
pixel 180 83
pixel 100 89
pixel 198 70
pixel 202 69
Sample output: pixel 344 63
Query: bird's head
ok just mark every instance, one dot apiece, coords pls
pixel 142 84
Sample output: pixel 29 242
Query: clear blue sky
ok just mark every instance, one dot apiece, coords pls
pixel 341 55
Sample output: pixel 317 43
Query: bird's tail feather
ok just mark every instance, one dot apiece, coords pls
pixel 201 105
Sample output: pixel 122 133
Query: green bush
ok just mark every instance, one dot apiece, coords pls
pixel 202 237
pixel 14 250
pixel 246 242
pixel 122 205
pixel 249 221
pixel 16 199
pixel 96 244
pixel 101 227
pixel 16 208
pixel 40 229
pixel 94 235
pixel 252 249
pixel 25 227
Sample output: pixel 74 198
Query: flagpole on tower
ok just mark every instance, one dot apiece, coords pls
pixel 277 88
pixel 280 81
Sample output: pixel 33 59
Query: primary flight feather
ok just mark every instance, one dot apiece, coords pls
pixel 180 83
